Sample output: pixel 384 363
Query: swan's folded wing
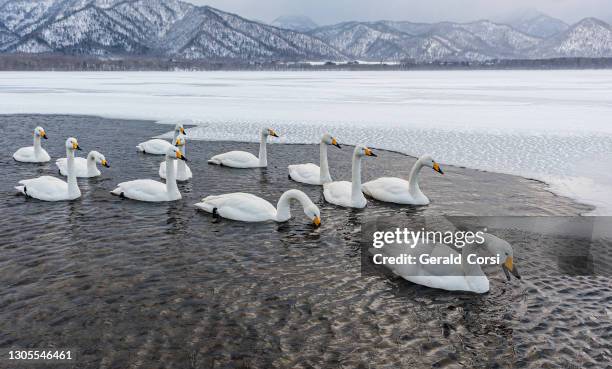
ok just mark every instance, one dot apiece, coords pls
pixel 338 192
pixel 236 159
pixel 142 189
pixel 240 206
pixel 155 146
pixel 389 189
pixel 306 173
pixel 45 188
pixel 62 165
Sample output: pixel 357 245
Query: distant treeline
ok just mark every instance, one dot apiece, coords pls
pixel 60 62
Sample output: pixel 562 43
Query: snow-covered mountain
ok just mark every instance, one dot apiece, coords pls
pixel 591 37
pixel 178 29
pixel 298 23
pixel 148 27
pixel 535 23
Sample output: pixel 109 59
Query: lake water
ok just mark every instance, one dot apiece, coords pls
pixel 140 285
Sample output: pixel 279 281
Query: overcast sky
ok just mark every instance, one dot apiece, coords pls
pixel 333 11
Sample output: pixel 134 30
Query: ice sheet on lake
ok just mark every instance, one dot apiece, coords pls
pixel 550 125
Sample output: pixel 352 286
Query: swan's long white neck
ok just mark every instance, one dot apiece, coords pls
pixel 181 165
pixel 324 175
pixel 283 208
pixel 91 165
pixel 37 145
pixel 413 180
pixel 73 187
pixel 171 186
pixel 263 153
pixel 356 194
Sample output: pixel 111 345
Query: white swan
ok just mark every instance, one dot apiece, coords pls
pixel 243 159
pixel 311 173
pixel 48 188
pixel 465 276
pixel 250 208
pixel 345 193
pixel 158 146
pixel 84 168
pixel 183 172
pixel 400 191
pixel 33 154
pixel 150 190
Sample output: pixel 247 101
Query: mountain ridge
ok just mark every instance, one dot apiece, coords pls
pixel 177 29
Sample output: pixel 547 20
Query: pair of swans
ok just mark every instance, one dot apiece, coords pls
pixel 452 277
pixel 49 188
pixel 157 146
pixel 183 172
pixel 84 167
pixel 35 153
pixel 154 191
pixel 243 159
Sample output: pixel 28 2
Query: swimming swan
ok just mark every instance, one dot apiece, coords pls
pixel 183 173
pixel 84 168
pixel 452 277
pixel 250 208
pixel 243 159
pixel 48 188
pixel 33 154
pixel 158 146
pixel 312 173
pixel 150 190
pixel 348 194
pixel 400 191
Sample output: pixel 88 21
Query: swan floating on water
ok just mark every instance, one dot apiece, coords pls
pixel 48 188
pixel 311 173
pixel 84 168
pixel 154 191
pixel 183 172
pixel 250 208
pixel 243 159
pixel 451 277
pixel 35 153
pixel 158 146
pixel 348 194
pixel 400 191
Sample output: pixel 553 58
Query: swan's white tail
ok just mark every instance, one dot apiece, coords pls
pixel 214 161
pixel 205 206
pixel 140 148
pixel 117 191
pixel 21 189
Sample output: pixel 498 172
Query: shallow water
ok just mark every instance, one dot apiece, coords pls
pixel 137 285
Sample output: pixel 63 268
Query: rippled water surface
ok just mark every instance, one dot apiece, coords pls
pixel 137 285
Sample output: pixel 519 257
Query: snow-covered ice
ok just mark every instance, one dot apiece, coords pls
pixel 554 126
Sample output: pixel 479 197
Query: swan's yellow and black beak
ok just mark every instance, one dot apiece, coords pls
pixel 182 130
pixel 179 142
pixel 437 168
pixel 75 146
pixel 272 133
pixel 43 134
pixel 369 152
pixel 316 221
pixel 180 156
pixel 335 143
pixel 105 163
pixel 509 267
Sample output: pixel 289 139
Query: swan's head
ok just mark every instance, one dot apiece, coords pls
pixel 330 140
pixel 99 158
pixel 180 129
pixel 503 249
pixel 269 132
pixel 428 161
pixel 181 139
pixel 72 144
pixel 313 213
pixel 175 153
pixel 40 132
pixel 361 151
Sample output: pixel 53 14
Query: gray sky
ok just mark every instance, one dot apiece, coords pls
pixel 333 11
